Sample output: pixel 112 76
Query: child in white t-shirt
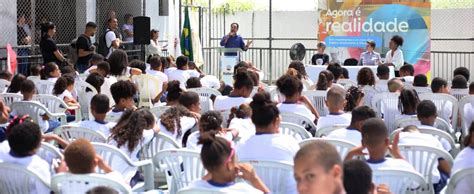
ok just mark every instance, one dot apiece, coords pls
pixel 336 98
pixel 50 72
pixel 426 113
pixel 181 74
pixel 468 110
pixel 240 120
pixel 291 87
pixel 352 133
pixel 122 93
pixel 439 85
pixel 210 121
pixel 63 89
pixel 133 131
pixel 177 122
pixel 99 109
pixel 464 160
pixel 243 86
pixel 375 139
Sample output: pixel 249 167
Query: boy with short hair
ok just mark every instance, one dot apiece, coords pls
pixel 427 114
pixel 99 108
pixel 122 93
pixel 336 98
pixel 181 74
pixel 383 73
pixel 406 73
pixel 375 139
pixel 394 85
pixel 420 80
pixel 318 169
pixel 352 133
pixel 440 85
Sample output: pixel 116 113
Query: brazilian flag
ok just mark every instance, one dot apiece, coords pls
pixel 186 42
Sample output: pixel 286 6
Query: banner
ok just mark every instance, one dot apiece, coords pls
pixel 346 26
pixel 186 41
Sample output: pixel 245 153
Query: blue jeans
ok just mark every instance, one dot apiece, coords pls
pixel 53 124
pixel 81 67
pixel 23 64
pixel 438 187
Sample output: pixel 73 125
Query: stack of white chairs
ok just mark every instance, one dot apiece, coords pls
pixel 296 131
pixel 318 99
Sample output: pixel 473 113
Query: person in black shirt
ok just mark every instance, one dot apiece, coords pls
pixel 48 47
pixel 85 48
pixel 320 55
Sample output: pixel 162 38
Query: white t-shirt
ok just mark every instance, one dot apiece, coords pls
pixel 53 79
pixel 381 86
pixel 33 163
pixel 193 139
pixel 169 70
pixel 465 159
pixel 128 27
pixel 296 108
pixel 127 171
pixel 109 38
pixel 193 73
pixel 105 88
pixel 181 75
pixel 468 115
pixel 223 103
pixel 275 147
pixel 390 163
pixel 66 93
pixel 446 145
pixel 397 58
pixel 409 79
pixel 210 81
pixel 162 76
pixel 237 187
pixel 352 135
pixel 334 119
pixel 416 138
pixel 4 147
pixel 245 127
pixel 186 123
pixel 103 127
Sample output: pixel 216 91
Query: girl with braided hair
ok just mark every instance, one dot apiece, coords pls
pixel 407 103
pixel 354 98
pixel 210 121
pixel 177 123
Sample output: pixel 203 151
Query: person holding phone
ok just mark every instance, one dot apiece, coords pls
pixel 234 40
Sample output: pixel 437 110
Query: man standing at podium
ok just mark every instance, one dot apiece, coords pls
pixel 233 40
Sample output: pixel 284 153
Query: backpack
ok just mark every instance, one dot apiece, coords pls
pixel 73 53
pixel 103 48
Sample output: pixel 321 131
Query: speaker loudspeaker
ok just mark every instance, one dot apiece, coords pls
pixel 141 30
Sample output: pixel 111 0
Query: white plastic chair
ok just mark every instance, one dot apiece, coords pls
pixel 84 90
pixel 49 153
pixel 343 147
pixel 436 133
pixel 205 92
pixel 184 166
pixel 462 103
pixel 56 105
pixel 398 180
pixel 117 159
pixel 324 131
pixel 386 105
pixel 318 99
pixel 9 98
pixel 65 183
pixel 439 123
pixel 422 90
pixel 206 104
pixel 16 179
pixel 297 131
pixel 44 86
pixel 71 133
pixel 159 142
pixel 423 159
pixel 299 119
pixel 346 83
pixel 464 176
pixel 33 109
pixel 459 93
pixel 225 115
pixel 275 175
pixel 369 93
pixel 4 84
pixel 159 110
pixel 149 87
pixel 200 191
pixel 440 100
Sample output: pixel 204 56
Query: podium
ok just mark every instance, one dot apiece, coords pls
pixel 229 57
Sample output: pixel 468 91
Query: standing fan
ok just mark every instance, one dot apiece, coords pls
pixel 297 52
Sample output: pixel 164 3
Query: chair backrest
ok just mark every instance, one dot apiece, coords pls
pixel 439 123
pixel 324 131
pixel 464 177
pixel 148 88
pixel 277 175
pixel 49 153
pixel 423 159
pixel 459 93
pixel 16 179
pixel 114 157
pixel 386 106
pixel 71 133
pixel 434 132
pixel 33 109
pixel 343 147
pixel 82 90
pixel 346 83
pixel 184 166
pixel 206 104
pixel 158 143
pixel 462 103
pixel 299 119
pixel 297 131
pixel 159 110
pixel 206 92
pixel 64 183
pixel 53 103
pixel 441 100
pixel 369 93
pixel 4 84
pixel 9 98
pixel 199 191
pixel 422 90
pixel 398 180
pixel 225 115
pixel 44 86
pixel 318 99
